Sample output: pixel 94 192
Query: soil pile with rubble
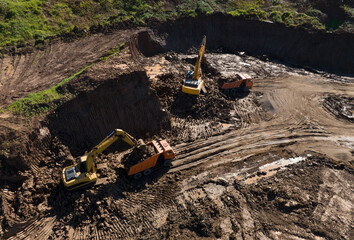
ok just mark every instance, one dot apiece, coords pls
pixel 275 163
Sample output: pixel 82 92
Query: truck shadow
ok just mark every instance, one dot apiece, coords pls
pixel 238 94
pixel 184 105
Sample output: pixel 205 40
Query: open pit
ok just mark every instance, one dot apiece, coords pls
pixel 275 163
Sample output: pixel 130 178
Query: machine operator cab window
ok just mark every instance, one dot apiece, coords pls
pixel 189 75
pixel 74 172
pixel 190 81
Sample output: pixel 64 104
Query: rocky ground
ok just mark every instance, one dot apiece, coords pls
pixel 276 163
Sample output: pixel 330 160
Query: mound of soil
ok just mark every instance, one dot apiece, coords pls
pixel 125 102
pixel 210 106
pixel 341 106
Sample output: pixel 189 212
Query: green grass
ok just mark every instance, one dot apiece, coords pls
pixel 23 22
pixel 290 18
pixel 257 9
pixel 39 103
pixel 43 101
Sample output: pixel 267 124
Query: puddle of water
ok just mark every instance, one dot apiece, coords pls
pixel 272 168
pixel 281 163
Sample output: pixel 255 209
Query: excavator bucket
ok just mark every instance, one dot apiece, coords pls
pixel 141 144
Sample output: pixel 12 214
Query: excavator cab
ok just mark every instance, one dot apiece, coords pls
pixel 190 82
pixel 74 171
pixel 77 176
pixel 189 79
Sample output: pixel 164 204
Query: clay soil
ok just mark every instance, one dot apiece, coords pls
pixel 274 163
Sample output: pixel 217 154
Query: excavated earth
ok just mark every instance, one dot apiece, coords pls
pixel 274 163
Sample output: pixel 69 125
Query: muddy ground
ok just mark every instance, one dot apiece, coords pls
pixel 274 163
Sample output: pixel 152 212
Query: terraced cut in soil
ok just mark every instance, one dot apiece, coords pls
pixel 274 163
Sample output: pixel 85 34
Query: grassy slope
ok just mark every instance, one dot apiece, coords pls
pixel 44 101
pixel 29 20
pixel 25 21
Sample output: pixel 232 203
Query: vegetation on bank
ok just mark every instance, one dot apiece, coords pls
pixel 44 101
pixel 27 21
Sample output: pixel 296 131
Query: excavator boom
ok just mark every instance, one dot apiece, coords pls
pixel 105 143
pixel 196 74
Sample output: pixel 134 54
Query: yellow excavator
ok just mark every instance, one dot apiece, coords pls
pixel 193 83
pixel 83 174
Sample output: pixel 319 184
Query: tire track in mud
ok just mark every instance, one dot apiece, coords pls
pixel 41 69
pixel 298 118
pixel 39 229
pixel 222 151
pixel 148 208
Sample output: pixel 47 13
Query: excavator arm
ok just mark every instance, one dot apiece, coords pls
pixel 196 74
pixel 105 143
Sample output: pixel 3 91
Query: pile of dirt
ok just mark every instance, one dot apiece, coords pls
pixel 125 102
pixel 210 106
pixel 147 44
pixel 341 106
pixel 194 117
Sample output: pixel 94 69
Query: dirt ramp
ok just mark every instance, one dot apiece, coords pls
pixel 147 43
pixel 126 102
pixel 325 51
pixel 341 106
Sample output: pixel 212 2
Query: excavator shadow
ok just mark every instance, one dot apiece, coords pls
pixel 125 184
pixel 183 105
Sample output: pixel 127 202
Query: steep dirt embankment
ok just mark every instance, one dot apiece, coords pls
pixel 126 102
pixel 325 51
